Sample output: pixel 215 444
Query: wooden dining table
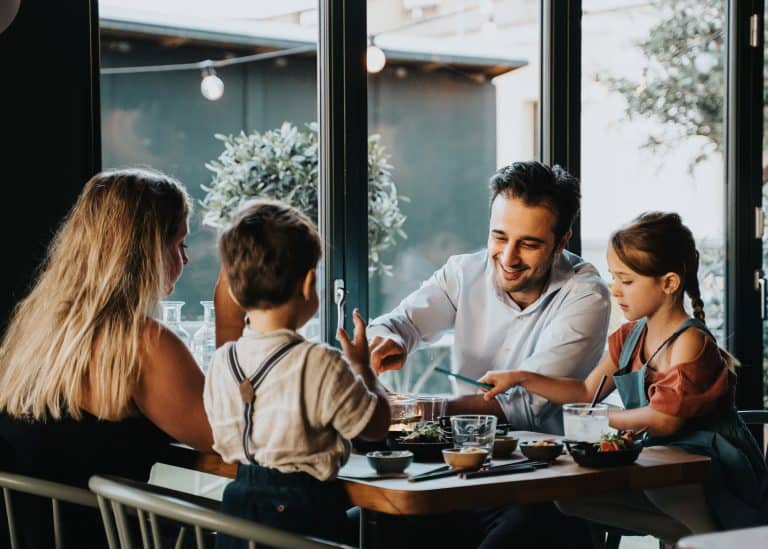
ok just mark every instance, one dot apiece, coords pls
pixel 563 479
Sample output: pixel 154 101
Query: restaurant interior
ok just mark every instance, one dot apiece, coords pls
pixel 405 108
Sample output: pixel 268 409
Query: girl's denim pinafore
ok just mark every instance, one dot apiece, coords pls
pixel 737 487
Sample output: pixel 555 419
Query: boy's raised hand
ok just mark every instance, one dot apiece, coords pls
pixel 355 350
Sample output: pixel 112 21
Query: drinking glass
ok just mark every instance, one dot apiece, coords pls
pixel 431 407
pixel 204 340
pixel 478 431
pixel 171 311
pixel 403 412
pixel 584 422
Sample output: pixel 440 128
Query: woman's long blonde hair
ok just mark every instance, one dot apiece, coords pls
pixel 79 331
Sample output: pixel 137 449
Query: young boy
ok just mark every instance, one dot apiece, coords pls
pixel 281 407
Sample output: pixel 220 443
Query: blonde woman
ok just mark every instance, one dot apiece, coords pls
pixel 89 382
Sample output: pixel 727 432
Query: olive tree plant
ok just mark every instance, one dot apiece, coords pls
pixel 282 164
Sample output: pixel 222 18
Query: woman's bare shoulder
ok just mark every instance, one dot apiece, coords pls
pixel 158 343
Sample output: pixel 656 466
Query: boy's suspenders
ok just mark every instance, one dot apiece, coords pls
pixel 249 385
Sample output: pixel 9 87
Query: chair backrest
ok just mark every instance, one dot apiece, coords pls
pixel 756 417
pixel 54 491
pixel 116 498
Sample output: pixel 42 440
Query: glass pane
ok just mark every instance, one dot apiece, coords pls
pixel 652 135
pixel 170 119
pixel 765 207
pixel 456 98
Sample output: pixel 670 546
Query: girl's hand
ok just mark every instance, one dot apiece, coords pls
pixel 355 350
pixel 501 381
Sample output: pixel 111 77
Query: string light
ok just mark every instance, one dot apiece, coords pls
pixel 212 87
pixel 375 60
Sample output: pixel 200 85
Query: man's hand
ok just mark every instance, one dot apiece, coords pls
pixel 355 350
pixel 386 354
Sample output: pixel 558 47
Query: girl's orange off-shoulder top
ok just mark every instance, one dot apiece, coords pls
pixel 697 388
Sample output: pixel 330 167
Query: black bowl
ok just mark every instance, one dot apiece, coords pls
pixel 587 454
pixel 422 451
pixel 541 453
pixel 365 446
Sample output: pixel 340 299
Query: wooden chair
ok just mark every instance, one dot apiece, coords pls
pixel 57 494
pixel 116 498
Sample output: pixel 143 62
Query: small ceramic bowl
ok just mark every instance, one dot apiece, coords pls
pixel 389 461
pixel 536 452
pixel 465 458
pixel 503 446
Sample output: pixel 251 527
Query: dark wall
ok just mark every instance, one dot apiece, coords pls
pixel 49 111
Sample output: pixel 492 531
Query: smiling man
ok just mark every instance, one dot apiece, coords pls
pixel 523 303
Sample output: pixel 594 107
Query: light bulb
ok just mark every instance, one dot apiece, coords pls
pixel 374 58
pixel 212 87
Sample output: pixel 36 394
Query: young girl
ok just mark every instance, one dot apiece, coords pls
pixel 674 381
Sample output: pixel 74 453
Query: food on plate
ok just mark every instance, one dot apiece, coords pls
pixel 615 442
pixel 542 442
pixel 465 458
pixel 429 431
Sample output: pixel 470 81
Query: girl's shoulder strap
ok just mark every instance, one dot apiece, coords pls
pixel 630 343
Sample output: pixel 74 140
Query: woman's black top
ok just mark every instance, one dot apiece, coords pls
pixel 70 451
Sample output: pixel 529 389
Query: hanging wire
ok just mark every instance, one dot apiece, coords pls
pixel 200 65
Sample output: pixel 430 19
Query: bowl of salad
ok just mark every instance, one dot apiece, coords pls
pixel 426 441
pixel 610 451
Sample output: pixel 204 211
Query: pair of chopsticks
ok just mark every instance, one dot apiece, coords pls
pixel 440 472
pixel 506 469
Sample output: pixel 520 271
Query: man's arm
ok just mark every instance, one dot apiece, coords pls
pixel 474 404
pixel 570 346
pixel 423 316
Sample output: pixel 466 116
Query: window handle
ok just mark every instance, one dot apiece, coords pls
pixel 339 297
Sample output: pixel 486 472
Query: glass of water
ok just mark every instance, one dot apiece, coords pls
pixel 475 431
pixel 584 422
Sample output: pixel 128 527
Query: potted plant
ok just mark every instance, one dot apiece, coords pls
pixel 282 164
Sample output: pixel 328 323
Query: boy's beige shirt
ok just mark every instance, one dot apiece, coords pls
pixel 304 413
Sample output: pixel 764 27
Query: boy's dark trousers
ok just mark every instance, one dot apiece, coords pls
pixel 295 502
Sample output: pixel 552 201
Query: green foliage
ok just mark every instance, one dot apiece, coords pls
pixel 683 83
pixel 282 164
pixel 683 89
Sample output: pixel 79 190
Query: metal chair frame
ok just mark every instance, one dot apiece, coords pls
pixel 115 498
pixel 56 492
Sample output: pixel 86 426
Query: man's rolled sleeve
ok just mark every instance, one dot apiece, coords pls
pixel 424 315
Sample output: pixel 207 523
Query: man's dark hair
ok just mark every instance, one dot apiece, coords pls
pixel 539 185
pixel 267 251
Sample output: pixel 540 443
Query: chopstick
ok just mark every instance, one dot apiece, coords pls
pixel 597 394
pixel 507 469
pixel 464 378
pixel 441 472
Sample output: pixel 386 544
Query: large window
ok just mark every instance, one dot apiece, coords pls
pixel 652 136
pixel 168 117
pixel 456 98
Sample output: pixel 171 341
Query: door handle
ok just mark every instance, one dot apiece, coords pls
pixel 339 297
